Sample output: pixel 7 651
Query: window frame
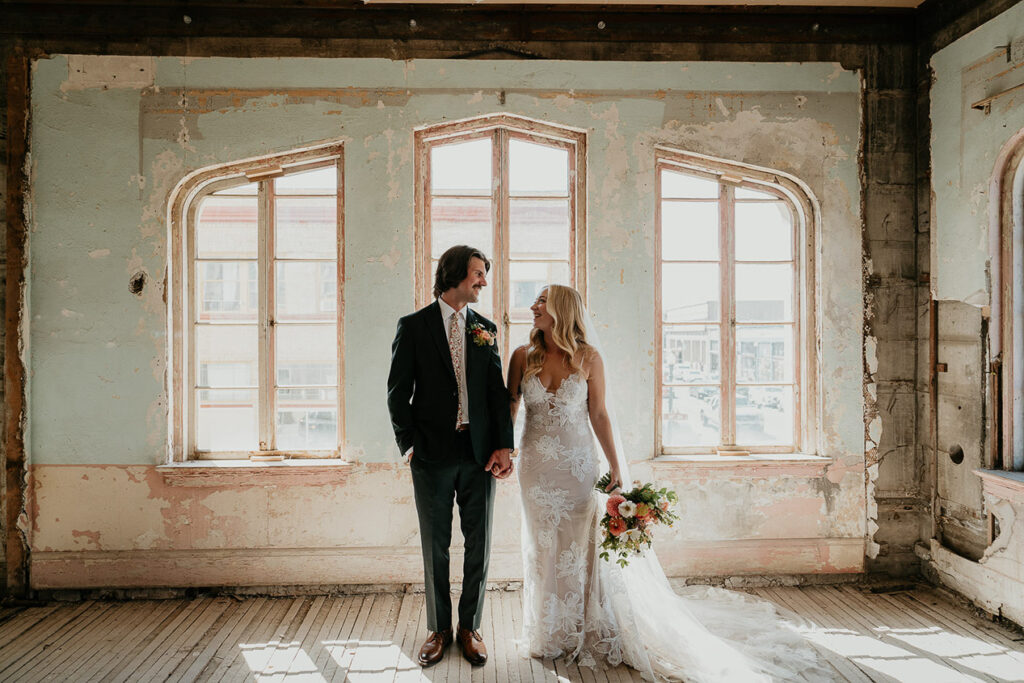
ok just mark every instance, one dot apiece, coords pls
pixel 501 128
pixel 806 227
pixel 183 207
pixel 1006 245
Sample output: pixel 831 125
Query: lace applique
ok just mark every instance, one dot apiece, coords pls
pixel 563 615
pixel 572 563
pixel 554 504
pixel 567 406
pixel 579 460
pixel 548 447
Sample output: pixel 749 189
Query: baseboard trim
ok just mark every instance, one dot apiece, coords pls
pixel 990 590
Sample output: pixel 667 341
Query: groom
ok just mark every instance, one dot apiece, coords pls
pixel 450 411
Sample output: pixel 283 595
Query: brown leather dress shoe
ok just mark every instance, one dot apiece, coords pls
pixel 432 651
pixel 472 644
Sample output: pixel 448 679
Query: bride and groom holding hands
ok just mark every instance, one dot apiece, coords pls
pixel 453 416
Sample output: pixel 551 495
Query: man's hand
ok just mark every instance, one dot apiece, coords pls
pixel 500 463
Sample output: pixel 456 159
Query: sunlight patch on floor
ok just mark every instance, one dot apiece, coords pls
pixel 885 658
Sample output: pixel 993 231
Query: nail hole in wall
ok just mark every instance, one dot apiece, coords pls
pixel 137 283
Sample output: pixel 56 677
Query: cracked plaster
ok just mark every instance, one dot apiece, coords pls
pixel 106 159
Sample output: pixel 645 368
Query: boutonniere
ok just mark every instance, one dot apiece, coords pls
pixel 481 336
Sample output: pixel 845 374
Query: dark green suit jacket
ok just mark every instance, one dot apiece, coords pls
pixel 423 394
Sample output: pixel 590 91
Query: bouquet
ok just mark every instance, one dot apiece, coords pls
pixel 630 516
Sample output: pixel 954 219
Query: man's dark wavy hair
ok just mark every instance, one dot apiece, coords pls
pixel 453 267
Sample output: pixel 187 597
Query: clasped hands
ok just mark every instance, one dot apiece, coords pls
pixel 500 463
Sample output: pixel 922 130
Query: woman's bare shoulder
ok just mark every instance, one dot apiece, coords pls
pixel 518 357
pixel 590 358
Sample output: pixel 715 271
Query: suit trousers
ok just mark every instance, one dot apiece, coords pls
pixel 436 485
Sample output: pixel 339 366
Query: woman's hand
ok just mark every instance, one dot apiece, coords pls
pixel 615 479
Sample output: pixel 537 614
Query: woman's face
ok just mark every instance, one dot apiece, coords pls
pixel 542 320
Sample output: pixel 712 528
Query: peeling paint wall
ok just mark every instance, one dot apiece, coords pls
pixel 965 143
pixel 112 135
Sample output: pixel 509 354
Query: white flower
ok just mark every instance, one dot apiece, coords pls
pixel 627 509
pixel 632 535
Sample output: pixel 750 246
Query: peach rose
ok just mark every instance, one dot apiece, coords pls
pixel 643 511
pixel 613 504
pixel 616 526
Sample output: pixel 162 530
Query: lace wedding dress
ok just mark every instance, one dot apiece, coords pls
pixel 579 606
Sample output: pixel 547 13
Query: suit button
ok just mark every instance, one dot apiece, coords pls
pixel 455 394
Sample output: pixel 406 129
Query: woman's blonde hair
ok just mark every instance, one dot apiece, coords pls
pixel 568 332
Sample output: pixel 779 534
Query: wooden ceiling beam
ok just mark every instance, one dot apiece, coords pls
pixel 474 24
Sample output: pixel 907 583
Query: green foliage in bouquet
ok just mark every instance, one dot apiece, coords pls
pixel 630 516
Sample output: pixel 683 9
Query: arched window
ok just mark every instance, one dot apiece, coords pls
pixel 514 188
pixel 1007 221
pixel 256 269
pixel 734 304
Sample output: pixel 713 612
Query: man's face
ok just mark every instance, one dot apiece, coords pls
pixel 468 291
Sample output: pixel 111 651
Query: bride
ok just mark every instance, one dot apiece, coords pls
pixel 579 606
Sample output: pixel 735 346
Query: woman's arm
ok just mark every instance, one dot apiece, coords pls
pixel 515 378
pixel 599 419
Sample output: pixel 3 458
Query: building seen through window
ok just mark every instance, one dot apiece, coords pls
pixel 728 301
pixel 264 325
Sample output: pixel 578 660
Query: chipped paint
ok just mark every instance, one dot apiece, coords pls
pixel 965 146
pixel 133 145
pixel 108 71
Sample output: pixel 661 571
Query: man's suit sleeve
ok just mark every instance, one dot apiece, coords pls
pixel 401 383
pixel 499 400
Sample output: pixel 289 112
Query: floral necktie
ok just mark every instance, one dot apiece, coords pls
pixel 455 346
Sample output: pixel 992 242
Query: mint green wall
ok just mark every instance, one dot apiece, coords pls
pixel 964 145
pixel 106 150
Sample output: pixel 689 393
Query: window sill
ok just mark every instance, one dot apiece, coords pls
pixel 305 471
pixel 753 465
pixel 1003 484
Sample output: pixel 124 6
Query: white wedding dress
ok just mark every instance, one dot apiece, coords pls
pixel 581 607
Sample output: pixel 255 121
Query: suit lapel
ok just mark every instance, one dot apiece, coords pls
pixel 477 356
pixel 470 346
pixel 435 324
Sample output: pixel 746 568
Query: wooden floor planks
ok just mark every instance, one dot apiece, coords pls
pixel 921 634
